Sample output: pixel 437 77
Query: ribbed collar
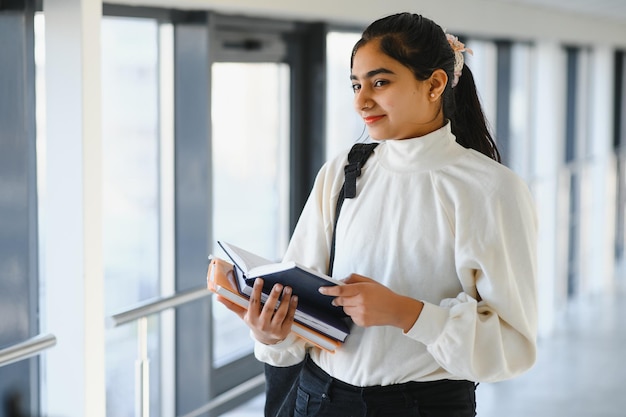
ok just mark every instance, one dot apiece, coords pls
pixel 423 153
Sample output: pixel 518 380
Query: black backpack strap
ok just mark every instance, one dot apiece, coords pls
pixel 357 157
pixel 281 383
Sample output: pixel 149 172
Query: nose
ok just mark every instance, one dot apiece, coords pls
pixel 362 101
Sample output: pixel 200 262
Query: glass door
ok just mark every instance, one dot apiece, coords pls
pixel 251 105
pixel 250 129
pixel 132 184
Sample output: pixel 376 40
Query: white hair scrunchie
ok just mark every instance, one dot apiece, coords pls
pixel 458 47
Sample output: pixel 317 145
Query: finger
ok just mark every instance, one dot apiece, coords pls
pixel 337 302
pixel 332 290
pixel 283 309
pixel 355 278
pixel 347 290
pixel 293 305
pixel 255 298
pixel 271 304
pixel 289 318
pixel 345 302
pixel 351 295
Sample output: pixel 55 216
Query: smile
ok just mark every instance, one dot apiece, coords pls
pixel 372 119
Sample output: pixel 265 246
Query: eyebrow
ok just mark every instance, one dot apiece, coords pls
pixel 373 73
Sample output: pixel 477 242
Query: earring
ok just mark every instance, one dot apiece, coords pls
pixel 432 95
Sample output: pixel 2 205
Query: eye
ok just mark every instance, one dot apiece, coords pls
pixel 356 87
pixel 380 83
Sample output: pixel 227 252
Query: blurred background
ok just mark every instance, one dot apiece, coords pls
pixel 135 134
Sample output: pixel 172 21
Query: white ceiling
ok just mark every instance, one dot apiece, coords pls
pixel 610 9
pixel 577 22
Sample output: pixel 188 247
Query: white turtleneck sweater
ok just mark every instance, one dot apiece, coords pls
pixel 442 224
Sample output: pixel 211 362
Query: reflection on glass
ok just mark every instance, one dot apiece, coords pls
pixel 249 115
pixel 343 125
pixel 130 143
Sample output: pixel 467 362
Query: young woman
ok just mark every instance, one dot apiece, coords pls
pixel 437 249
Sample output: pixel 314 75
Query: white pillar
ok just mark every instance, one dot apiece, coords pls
pixel 548 115
pixel 599 274
pixel 74 371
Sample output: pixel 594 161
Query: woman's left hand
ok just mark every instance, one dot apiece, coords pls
pixel 369 303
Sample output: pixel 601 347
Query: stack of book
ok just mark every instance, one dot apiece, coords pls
pixel 316 319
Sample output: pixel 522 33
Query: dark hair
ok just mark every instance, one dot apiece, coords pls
pixel 421 45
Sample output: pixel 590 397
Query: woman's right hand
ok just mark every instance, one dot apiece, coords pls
pixel 270 322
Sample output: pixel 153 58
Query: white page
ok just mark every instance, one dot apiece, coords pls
pixel 242 258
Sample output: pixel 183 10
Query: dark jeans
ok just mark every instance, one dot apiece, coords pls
pixel 320 395
pixel 280 390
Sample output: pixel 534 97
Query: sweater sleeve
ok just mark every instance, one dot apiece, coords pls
pixel 488 332
pixel 289 352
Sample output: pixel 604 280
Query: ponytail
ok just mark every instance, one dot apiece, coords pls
pixel 467 119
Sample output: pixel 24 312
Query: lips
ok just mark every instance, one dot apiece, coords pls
pixel 372 119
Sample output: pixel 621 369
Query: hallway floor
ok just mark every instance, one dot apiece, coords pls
pixel 580 370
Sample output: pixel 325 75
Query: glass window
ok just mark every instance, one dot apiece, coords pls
pixel 131 241
pixel 343 125
pixel 483 65
pixel 250 122
pixel 520 114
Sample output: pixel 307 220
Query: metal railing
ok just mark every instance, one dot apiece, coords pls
pixel 26 349
pixel 140 314
pixel 231 394
pixel 151 307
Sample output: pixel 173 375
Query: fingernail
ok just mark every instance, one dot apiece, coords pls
pixel 278 288
pixel 287 290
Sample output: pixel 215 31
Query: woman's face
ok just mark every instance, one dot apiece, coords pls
pixel 391 101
